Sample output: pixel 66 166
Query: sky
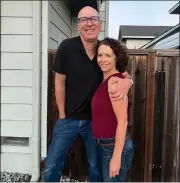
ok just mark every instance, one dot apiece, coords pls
pixel 140 13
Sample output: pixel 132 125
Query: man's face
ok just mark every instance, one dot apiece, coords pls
pixel 89 24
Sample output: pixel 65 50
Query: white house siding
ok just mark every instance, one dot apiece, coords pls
pixel 136 43
pixel 16 84
pixel 103 10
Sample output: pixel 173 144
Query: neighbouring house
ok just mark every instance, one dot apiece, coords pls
pixel 135 36
pixel 169 39
pixel 29 29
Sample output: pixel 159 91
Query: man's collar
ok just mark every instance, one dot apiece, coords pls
pixel 82 49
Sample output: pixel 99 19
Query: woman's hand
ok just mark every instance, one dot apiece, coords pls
pixel 114 167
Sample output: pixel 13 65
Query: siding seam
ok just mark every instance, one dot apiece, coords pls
pixel 16 17
pixel 54 40
pixel 59 29
pixel 65 9
pixel 61 17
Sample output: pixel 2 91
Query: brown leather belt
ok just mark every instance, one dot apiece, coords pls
pixel 107 144
pixel 110 144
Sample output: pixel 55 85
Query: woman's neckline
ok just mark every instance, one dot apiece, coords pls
pixel 110 76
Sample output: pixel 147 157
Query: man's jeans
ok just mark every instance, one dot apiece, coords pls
pixel 64 134
pixel 105 154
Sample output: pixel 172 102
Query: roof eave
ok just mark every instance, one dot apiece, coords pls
pixel 151 43
pixel 137 37
pixel 175 9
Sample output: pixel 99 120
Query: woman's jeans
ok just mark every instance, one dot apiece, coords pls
pixel 105 154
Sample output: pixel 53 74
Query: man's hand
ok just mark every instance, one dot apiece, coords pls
pixel 119 88
pixel 62 116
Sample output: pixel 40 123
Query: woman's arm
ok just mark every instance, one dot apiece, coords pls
pixel 120 110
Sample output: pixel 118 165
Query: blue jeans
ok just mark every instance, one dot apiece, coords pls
pixel 64 134
pixel 105 154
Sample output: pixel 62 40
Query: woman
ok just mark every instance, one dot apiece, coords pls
pixel 109 117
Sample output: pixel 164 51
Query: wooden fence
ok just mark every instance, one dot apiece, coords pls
pixel 154 117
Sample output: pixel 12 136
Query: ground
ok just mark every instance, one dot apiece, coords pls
pixel 17 177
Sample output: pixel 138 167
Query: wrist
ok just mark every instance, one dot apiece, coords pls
pixel 62 115
pixel 116 157
pixel 131 79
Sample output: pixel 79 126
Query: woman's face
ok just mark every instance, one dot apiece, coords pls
pixel 106 58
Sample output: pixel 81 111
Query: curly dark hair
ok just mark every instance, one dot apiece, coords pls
pixel 119 50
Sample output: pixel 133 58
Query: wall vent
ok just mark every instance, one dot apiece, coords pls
pixel 15 141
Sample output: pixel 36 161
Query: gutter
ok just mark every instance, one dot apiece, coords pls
pixel 136 37
pixel 36 92
pixel 160 37
pixel 174 8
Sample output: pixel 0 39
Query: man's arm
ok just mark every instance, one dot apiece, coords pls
pixel 60 93
pixel 119 87
pixel 126 75
pixel 59 67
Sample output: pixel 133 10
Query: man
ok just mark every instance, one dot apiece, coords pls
pixel 76 80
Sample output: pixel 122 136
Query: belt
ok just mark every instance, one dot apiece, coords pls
pixel 110 144
pixel 99 142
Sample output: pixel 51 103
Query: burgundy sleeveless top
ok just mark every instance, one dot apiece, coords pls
pixel 104 121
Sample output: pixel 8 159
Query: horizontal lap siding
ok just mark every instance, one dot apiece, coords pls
pixel 16 162
pixel 60 23
pixel 104 14
pixel 16 43
pixel 16 9
pixel 16 95
pixel 16 125
pixel 10 25
pixel 16 61
pixel 20 78
pixel 15 112
pixel 16 82
pixel 135 43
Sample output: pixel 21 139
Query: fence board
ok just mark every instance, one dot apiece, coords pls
pixel 137 68
pixel 171 150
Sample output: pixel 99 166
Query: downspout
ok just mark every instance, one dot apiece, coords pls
pixel 36 92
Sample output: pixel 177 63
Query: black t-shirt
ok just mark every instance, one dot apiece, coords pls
pixel 83 76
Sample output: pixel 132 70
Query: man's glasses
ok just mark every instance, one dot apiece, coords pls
pixel 84 20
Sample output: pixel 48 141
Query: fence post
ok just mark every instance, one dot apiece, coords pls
pixel 151 64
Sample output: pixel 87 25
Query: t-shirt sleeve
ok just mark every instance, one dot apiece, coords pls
pixel 60 61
